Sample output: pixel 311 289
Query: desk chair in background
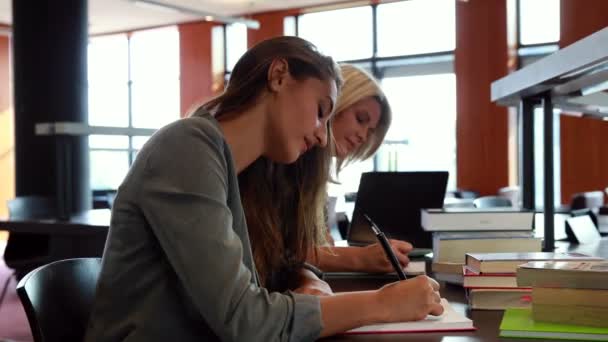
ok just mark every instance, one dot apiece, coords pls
pixel 25 251
pixel 463 194
pixel 590 199
pixel 589 203
pixel 58 298
pixel 487 202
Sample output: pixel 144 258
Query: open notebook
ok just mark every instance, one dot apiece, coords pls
pixel 450 320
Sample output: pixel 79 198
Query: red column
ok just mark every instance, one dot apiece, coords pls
pixel 482 127
pixel 7 146
pixel 196 77
pixel 584 142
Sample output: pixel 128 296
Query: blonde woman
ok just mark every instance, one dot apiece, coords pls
pixel 363 116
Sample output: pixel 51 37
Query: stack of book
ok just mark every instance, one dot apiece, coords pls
pixel 569 301
pixel 491 281
pixel 459 231
pixel 568 292
pixel 489 286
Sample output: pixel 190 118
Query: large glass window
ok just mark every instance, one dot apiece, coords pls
pixel 155 77
pixel 416 27
pixel 413 62
pixel 422 136
pixel 236 44
pixel 133 84
pixel 108 74
pixel 344 34
pixel 539 21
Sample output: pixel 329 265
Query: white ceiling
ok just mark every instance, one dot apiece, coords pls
pixel 107 16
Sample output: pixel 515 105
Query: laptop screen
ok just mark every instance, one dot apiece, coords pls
pixel 393 201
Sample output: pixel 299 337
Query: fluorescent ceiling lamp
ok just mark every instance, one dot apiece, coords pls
pixel 252 24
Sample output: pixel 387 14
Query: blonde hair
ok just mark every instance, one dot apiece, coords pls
pixel 358 85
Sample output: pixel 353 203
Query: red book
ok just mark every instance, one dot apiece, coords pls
pixel 473 280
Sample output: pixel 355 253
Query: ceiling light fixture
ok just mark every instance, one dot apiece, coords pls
pixel 252 24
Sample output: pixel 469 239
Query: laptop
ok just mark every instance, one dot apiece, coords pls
pixel 393 201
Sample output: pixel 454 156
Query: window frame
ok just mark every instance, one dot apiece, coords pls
pixel 438 62
pixel 129 131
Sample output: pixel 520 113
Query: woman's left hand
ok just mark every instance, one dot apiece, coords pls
pixel 311 284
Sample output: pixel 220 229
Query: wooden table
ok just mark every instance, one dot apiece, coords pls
pixel 487 322
pixel 83 235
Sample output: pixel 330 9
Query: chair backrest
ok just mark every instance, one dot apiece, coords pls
pixel 513 193
pixel 464 194
pixel 32 207
pixel 589 199
pixel 492 202
pixel 58 298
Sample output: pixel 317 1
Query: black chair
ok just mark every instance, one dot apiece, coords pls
pixel 491 202
pixel 26 251
pixel 464 194
pixel 589 199
pixel 58 298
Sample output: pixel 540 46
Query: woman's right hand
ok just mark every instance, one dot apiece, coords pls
pixel 410 300
pixel 373 257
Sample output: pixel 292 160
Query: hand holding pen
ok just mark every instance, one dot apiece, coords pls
pixel 390 254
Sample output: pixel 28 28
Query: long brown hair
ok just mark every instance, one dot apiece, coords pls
pixel 280 201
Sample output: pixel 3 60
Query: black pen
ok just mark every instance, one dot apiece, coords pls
pixel 387 248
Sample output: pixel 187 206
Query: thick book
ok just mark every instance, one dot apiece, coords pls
pixel 450 320
pixel 452 247
pixel 463 219
pixel 594 316
pixel 474 279
pixel 573 274
pixel 508 262
pixel 570 297
pixel 447 267
pixel 518 322
pixel 450 278
pixel 499 299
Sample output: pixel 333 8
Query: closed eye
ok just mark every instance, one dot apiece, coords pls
pixel 362 118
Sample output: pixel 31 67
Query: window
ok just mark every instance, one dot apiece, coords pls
pixel 108 150
pixel 108 74
pixel 539 160
pixel 539 21
pixel 236 44
pixel 422 136
pixel 129 91
pixel 155 77
pixel 416 27
pixel 350 36
pixel 414 63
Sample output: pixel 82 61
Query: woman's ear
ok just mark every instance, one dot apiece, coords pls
pixel 277 74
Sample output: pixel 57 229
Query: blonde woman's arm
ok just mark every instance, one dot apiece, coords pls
pixel 359 259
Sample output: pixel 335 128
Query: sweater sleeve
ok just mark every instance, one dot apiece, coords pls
pixel 184 195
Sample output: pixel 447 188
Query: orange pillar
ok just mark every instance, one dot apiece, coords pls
pixel 196 77
pixel 584 141
pixel 481 57
pixel 7 140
